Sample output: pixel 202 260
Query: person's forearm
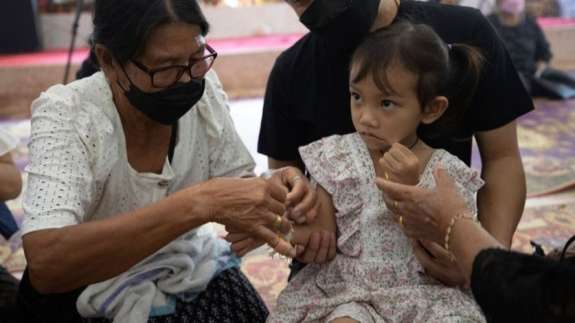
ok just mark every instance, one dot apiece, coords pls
pixel 467 239
pixel 99 250
pixel 10 180
pixel 502 199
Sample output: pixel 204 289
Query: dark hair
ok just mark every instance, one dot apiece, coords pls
pixel 452 71
pixel 123 26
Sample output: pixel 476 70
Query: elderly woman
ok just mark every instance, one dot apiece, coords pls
pixel 508 286
pixel 128 167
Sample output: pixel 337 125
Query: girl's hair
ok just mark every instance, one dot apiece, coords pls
pixel 123 26
pixel 446 70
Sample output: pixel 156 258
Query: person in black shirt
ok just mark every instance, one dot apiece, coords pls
pixel 508 286
pixel 307 98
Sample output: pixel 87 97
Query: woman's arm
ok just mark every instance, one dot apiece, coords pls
pixel 99 250
pixel 467 240
pixel 10 179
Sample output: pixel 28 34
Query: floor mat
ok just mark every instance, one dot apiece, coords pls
pixel 547 144
pixel 546 140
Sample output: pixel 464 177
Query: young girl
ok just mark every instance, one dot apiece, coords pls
pixel 401 79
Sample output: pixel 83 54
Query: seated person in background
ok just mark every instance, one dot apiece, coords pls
pixel 529 50
pixel 10 187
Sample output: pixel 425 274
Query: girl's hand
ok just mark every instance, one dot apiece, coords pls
pixel 401 165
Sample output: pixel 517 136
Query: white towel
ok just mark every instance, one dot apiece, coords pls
pixel 185 265
pixel 7 142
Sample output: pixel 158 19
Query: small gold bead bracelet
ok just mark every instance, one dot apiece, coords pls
pixel 459 216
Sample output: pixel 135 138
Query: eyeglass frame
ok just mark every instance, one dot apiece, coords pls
pixel 183 68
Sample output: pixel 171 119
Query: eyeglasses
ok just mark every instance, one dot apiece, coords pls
pixel 164 77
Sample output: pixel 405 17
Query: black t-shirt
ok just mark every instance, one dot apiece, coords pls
pixel 525 43
pixel 307 95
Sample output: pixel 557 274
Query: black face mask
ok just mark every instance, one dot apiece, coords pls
pixel 340 14
pixel 168 105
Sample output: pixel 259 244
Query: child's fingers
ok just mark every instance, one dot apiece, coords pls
pixel 399 155
pixel 395 157
pixel 392 163
pixel 403 150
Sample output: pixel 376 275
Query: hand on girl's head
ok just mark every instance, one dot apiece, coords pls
pixel 401 165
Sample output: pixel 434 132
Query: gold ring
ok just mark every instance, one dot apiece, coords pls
pixel 278 223
pixel 395 204
pixel 401 221
pixel 386 176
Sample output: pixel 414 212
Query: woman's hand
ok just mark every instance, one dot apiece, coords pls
pixel 425 213
pixel 438 263
pixel 320 247
pixel 301 201
pixel 253 206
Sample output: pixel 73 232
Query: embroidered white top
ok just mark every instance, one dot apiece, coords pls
pixel 79 169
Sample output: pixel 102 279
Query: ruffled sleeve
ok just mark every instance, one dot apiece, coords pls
pixel 468 180
pixel 329 162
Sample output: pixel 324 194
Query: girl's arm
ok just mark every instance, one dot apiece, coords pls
pixel 325 220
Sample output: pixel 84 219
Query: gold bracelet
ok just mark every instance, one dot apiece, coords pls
pixel 459 216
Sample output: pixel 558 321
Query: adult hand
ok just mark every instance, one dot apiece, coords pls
pixel 253 206
pixel 242 243
pixel 301 201
pixel 425 213
pixel 321 246
pixel 438 263
pixel 401 165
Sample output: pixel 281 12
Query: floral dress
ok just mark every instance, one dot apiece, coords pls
pixel 375 276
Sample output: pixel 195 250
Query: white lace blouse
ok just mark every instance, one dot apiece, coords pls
pixel 79 169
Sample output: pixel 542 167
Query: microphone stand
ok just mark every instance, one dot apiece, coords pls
pixel 79 7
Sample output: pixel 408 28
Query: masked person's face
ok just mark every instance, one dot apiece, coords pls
pixel 336 15
pixel 512 7
pixel 167 79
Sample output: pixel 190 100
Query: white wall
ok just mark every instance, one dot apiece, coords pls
pixel 225 22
